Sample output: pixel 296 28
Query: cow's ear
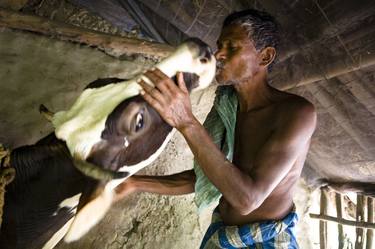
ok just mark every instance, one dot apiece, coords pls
pixel 46 113
pixel 91 210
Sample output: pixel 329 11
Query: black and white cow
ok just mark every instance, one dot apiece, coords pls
pixel 108 134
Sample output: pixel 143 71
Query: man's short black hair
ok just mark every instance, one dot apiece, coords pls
pixel 262 28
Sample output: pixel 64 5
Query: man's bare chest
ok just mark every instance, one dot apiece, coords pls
pixel 253 130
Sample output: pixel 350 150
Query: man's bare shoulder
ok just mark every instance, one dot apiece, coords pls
pixel 295 109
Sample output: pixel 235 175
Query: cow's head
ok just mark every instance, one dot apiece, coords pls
pixel 112 132
pixel 131 134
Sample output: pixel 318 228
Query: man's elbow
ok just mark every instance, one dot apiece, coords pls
pixel 248 204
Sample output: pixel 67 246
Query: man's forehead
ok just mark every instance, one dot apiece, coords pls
pixel 233 32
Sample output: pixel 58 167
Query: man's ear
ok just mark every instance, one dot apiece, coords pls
pixel 268 55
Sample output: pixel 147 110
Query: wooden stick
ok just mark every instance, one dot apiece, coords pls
pixel 338 200
pixel 359 218
pixel 370 219
pixel 322 224
pixel 345 222
pixel 110 44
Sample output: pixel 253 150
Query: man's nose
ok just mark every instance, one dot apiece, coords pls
pixel 220 54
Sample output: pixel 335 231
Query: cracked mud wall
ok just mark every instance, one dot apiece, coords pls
pixel 39 70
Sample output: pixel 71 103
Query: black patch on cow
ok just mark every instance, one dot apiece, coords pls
pixel 103 82
pixel 191 80
pixel 45 176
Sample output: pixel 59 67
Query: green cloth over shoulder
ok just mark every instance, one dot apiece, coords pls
pixel 220 124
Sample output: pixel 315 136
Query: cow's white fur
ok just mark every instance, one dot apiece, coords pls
pixel 89 215
pixel 70 203
pixel 82 125
pixel 52 242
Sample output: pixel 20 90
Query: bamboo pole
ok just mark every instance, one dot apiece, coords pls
pixel 370 218
pixel 360 218
pixel 345 222
pixel 338 200
pixel 323 224
pixel 110 44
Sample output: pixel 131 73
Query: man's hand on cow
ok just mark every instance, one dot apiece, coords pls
pixel 171 101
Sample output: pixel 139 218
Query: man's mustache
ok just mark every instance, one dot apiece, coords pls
pixel 219 64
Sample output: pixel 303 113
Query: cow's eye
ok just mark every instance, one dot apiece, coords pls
pixel 203 60
pixel 139 121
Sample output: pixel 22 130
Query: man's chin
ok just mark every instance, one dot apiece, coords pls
pixel 221 81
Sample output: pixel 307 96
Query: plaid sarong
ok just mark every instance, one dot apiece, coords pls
pixel 220 124
pixel 267 235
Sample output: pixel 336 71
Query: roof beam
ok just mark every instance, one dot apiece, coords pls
pixel 110 44
pixel 301 69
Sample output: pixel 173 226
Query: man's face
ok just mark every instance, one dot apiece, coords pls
pixel 237 56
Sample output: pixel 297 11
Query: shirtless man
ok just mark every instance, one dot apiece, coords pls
pixel 272 136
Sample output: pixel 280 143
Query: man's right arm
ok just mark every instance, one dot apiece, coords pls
pixel 176 184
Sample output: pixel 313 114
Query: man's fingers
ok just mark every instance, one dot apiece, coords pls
pixel 168 82
pixel 181 82
pixel 153 92
pixel 152 101
pixel 155 78
pixel 147 87
pixel 158 82
pixel 159 73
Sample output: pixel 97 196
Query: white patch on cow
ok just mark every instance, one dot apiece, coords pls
pixel 82 125
pixel 89 216
pixel 70 203
pixel 58 236
pixel 126 142
pixel 189 62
